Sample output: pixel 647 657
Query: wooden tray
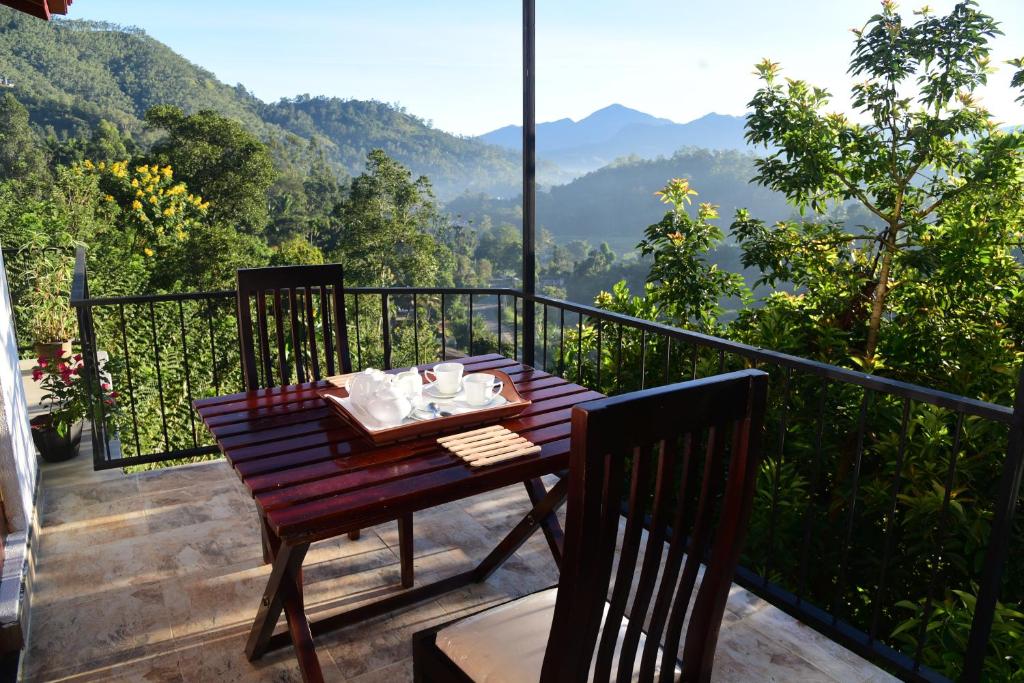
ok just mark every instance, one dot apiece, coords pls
pixel 515 405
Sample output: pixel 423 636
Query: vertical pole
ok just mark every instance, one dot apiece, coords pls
pixel 529 178
pixel 998 542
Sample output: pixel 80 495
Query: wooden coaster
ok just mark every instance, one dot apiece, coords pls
pixel 488 445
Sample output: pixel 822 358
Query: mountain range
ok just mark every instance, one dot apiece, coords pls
pixel 70 74
pixel 599 174
pixel 578 147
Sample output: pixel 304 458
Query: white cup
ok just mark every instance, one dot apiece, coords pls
pixel 447 377
pixel 482 388
pixel 410 383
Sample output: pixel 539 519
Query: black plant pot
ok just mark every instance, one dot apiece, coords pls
pixel 51 445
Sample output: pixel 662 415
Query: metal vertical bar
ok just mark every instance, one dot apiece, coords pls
pixel 579 349
pixel 385 315
pixel 693 363
pixel 529 178
pixel 416 328
pixel 668 360
pixel 471 323
pixel 131 386
pixel 618 360
pixel 515 326
pixel 643 358
pixel 185 367
pixel 597 380
pixel 213 347
pixel 544 342
pixel 444 341
pixel 359 345
pixel 561 342
pixel 159 376
pixel 998 541
pixel 499 324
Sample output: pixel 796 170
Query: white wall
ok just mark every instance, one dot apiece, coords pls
pixel 18 464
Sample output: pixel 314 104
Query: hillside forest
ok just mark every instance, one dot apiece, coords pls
pixel 889 244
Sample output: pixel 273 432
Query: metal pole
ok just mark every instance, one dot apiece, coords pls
pixel 998 542
pixel 529 178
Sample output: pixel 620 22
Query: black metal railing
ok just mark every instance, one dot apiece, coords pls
pixel 839 537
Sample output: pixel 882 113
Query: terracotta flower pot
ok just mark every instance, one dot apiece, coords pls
pixel 52 446
pixel 54 349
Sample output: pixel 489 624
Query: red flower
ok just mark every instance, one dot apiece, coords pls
pixel 78 357
pixel 105 386
pixel 37 374
pixel 43 362
pixel 114 394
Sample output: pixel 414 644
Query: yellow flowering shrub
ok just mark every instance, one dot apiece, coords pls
pixel 158 211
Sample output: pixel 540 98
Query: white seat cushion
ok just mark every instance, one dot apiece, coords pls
pixel 506 644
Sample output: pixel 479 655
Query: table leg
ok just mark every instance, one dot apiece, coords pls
pixel 547 506
pixel 270 542
pixel 284 592
pixel 549 525
pixel 405 549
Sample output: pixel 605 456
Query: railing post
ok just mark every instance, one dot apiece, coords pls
pixel 385 314
pixel 998 542
pixel 529 178
pixel 90 358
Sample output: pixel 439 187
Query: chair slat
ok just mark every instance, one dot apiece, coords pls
pixel 341 329
pixel 710 484
pixel 261 328
pixel 325 325
pixel 311 333
pixel 293 315
pixel 282 366
pixel 627 561
pixel 673 563
pixel 653 551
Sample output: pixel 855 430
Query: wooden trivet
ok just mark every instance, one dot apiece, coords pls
pixel 488 445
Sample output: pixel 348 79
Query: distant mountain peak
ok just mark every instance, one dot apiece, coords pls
pixel 623 114
pixel 617 131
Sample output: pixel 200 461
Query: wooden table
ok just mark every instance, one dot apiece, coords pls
pixel 312 478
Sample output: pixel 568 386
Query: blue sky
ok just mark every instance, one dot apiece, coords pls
pixel 456 62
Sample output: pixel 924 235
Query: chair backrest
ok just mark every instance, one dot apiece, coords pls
pixel 306 303
pixel 658 459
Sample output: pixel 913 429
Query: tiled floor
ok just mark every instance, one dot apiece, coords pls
pixel 156 577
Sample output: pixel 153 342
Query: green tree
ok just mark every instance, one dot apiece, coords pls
pixel 218 157
pixel 106 143
pixel 21 156
pixel 924 142
pixel 686 286
pixel 388 223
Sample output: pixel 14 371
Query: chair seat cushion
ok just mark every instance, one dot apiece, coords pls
pixel 506 644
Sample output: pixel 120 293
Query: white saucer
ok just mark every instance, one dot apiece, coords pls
pixel 432 390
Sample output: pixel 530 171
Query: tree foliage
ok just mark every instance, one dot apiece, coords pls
pixel 218 154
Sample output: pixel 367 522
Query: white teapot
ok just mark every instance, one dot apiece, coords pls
pixel 390 405
pixel 364 387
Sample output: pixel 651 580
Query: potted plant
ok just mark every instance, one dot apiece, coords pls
pixel 51 320
pixel 68 396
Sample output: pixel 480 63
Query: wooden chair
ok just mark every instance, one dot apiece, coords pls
pixel 299 342
pixel 297 294
pixel 651 465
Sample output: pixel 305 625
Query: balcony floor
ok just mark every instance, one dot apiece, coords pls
pixel 156 577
